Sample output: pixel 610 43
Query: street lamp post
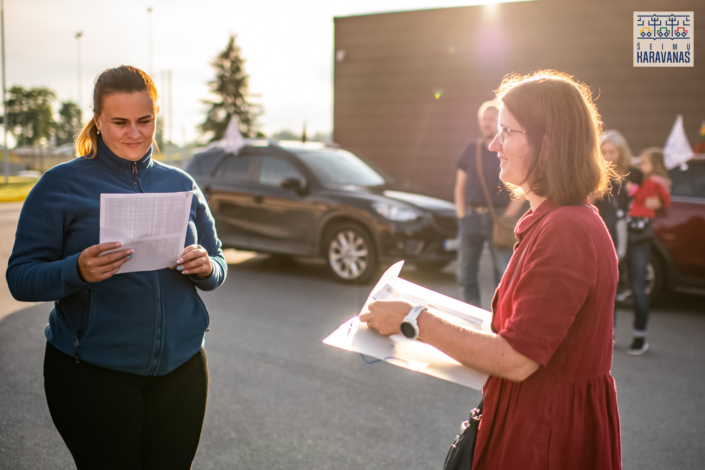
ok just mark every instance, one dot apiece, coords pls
pixel 78 61
pixel 4 94
pixel 149 40
pixel 171 121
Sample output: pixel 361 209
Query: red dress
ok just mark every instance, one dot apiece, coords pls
pixel 557 309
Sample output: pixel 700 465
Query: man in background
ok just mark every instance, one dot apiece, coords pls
pixel 475 219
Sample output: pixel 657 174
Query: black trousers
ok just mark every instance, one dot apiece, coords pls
pixel 116 420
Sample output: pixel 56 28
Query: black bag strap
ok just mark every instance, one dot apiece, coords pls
pixel 481 405
pixel 476 413
pixel 481 175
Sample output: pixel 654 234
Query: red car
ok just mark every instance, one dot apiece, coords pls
pixel 681 31
pixel 678 253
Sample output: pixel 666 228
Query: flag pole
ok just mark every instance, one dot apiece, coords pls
pixel 4 93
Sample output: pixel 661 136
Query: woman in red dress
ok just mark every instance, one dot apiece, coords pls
pixel 550 401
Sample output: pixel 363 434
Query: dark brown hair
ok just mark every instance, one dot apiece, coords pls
pixel 123 79
pixel 563 128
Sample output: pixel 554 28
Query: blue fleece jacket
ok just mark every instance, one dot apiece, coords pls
pixel 146 323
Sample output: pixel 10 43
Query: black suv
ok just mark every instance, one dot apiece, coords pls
pixel 316 200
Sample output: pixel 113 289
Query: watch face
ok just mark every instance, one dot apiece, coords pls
pixel 408 330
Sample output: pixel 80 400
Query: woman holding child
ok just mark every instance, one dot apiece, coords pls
pixel 648 196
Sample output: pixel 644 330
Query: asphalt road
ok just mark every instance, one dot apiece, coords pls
pixel 280 399
pixel 9 215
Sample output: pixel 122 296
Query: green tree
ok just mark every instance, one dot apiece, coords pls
pixel 321 137
pixel 159 134
pixel 70 123
pixel 231 87
pixel 30 117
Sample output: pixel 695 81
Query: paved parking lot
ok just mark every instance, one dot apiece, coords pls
pixel 280 399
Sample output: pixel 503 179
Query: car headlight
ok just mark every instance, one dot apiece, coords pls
pixel 395 212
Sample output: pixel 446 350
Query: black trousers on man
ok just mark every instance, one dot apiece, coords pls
pixel 116 420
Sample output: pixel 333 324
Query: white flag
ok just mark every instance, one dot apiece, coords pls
pixel 677 149
pixel 233 141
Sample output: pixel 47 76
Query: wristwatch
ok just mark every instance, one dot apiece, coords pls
pixel 409 327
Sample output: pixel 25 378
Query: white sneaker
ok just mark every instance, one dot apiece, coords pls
pixel 639 346
pixel 624 295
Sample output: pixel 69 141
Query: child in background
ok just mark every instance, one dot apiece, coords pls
pixel 654 192
pixel 649 196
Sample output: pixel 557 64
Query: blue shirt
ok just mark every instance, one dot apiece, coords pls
pixel 474 195
pixel 146 323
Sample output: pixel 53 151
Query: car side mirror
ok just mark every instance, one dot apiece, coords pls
pixel 293 184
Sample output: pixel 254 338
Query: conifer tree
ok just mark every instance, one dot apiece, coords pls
pixel 159 134
pixel 233 98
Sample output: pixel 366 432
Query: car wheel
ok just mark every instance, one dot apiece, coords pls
pixel 350 253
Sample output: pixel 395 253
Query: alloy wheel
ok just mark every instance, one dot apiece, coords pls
pixel 348 254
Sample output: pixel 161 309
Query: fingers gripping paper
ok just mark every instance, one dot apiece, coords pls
pixel 412 354
pixel 152 224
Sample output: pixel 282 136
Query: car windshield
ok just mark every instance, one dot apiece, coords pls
pixel 335 168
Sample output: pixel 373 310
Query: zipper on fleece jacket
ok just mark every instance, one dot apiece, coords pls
pixel 83 326
pixel 158 345
pixel 78 359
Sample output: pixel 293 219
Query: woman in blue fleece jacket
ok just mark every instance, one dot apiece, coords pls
pixel 125 370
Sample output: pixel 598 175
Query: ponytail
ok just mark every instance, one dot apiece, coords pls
pixel 123 79
pixel 87 142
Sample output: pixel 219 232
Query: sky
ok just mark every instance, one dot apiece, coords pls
pixel 288 47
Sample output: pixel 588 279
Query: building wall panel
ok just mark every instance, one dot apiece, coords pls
pixel 385 90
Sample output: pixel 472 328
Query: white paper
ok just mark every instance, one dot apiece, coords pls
pixel 401 351
pixel 152 224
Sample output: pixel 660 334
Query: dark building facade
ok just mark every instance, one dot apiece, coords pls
pixel 408 85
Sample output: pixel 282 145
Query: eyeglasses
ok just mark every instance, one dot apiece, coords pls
pixel 503 131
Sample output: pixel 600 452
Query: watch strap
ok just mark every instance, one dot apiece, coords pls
pixel 414 313
pixel 410 321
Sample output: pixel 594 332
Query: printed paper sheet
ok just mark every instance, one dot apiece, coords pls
pixel 401 351
pixel 152 224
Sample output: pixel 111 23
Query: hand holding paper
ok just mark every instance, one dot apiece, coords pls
pixel 354 335
pixel 152 224
pixel 94 267
pixel 194 260
pixel 385 316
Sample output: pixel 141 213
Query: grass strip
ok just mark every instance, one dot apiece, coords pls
pixel 16 189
